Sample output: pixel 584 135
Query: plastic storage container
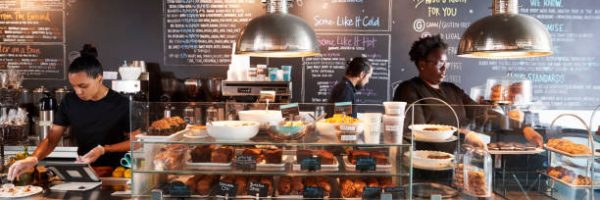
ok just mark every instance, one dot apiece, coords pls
pixel 508 90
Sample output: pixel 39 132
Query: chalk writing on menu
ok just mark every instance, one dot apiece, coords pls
pixel 322 72
pixel 32 38
pixel 570 76
pixel 201 32
pixel 447 18
pixel 349 15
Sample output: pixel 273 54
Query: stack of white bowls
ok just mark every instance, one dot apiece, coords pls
pixel 393 122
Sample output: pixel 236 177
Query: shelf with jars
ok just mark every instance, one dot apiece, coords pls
pixel 267 150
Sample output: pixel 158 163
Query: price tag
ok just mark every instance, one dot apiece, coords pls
pixel 290 111
pixel 371 193
pixel 344 108
pixel 312 192
pixel 257 188
pixel 396 192
pixel 225 189
pixel 348 138
pixel 310 163
pixel 245 162
pixel 366 164
pixel 392 128
pixel 179 189
pixel 347 128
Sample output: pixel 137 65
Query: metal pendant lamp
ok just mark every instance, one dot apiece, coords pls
pixel 505 34
pixel 277 34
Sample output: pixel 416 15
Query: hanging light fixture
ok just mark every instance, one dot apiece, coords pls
pixel 277 34
pixel 505 34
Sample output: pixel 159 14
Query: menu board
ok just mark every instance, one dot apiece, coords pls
pixel 32 38
pixel 202 32
pixel 345 15
pixel 567 78
pixel 324 71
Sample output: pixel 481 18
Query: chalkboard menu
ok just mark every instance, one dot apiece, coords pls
pixel 322 72
pixel 567 78
pixel 32 38
pixel 191 37
pixel 354 29
pixel 345 15
pixel 201 32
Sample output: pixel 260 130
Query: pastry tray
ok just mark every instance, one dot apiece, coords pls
pixel 569 154
pixel 161 138
pixel 329 168
pixel 352 167
pixel 596 185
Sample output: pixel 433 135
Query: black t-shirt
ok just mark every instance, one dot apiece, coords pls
pixel 94 123
pixel 343 91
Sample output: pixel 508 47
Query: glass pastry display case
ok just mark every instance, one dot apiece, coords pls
pixel 264 156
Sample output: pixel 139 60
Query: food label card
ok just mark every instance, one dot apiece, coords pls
pixel 245 162
pixel 290 111
pixel 310 163
pixel 344 108
pixel 371 193
pixel 257 189
pixel 366 164
pixel 225 189
pixel 312 192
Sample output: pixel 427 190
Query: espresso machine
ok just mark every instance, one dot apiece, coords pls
pixel 246 95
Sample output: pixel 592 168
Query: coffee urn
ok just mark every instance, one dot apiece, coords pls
pixel 47 106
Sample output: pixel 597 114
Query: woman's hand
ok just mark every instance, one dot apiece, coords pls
pixel 533 136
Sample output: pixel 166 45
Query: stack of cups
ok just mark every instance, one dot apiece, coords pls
pixel 393 122
pixel 372 124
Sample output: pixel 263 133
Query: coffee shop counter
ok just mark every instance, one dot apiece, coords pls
pixel 101 192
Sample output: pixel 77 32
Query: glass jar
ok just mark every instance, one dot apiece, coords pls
pixel 477 173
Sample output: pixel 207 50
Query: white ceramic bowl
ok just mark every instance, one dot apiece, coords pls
pixel 328 129
pixel 444 132
pixel 266 118
pixel 232 130
pixel 420 159
pixel 130 73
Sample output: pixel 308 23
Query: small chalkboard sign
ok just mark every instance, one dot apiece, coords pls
pixel 225 189
pixel 310 163
pixel 178 189
pixel 245 162
pixel 312 192
pixel 371 193
pixel 396 192
pixel 366 164
pixel 257 188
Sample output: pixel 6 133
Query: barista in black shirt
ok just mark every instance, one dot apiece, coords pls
pixel 357 75
pixel 97 117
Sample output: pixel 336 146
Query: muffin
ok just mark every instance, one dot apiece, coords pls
pixel 222 155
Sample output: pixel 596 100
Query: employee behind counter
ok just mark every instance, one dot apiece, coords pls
pixel 430 57
pixel 358 74
pixel 97 116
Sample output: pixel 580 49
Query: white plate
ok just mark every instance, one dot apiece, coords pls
pixel 158 138
pixel 352 167
pixel 418 130
pixel 420 165
pixel 207 165
pixel 191 135
pixel 329 168
pixel 419 139
pixel 524 152
pixel 33 190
